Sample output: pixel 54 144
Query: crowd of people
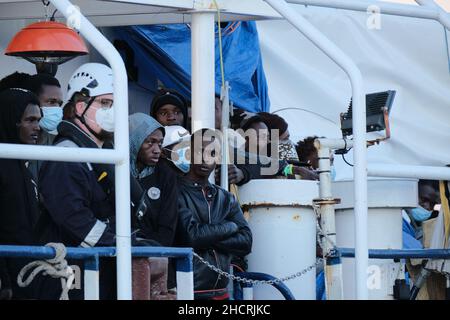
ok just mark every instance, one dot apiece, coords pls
pixel 170 168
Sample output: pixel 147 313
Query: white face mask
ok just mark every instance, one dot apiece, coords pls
pixel 105 119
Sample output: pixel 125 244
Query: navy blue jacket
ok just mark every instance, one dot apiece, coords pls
pixel 76 209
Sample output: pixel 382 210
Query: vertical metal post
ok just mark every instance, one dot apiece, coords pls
pixel 203 69
pixel 359 136
pixel 224 95
pixel 333 265
pixel 185 279
pixel 91 278
pixel 122 169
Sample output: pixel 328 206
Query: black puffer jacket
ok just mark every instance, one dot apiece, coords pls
pixel 211 222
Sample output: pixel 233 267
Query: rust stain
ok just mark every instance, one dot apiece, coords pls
pixel 296 217
pixel 271 205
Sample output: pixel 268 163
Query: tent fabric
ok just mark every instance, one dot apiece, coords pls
pixel 163 53
pixel 406 54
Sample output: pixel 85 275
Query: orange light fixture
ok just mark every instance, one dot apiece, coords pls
pixel 47 42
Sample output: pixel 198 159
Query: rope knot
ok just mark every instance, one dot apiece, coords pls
pixel 56 267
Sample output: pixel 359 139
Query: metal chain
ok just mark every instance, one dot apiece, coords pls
pixel 320 231
pixel 284 279
pixel 255 282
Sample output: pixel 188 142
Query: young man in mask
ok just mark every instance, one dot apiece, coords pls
pixel 175 149
pixel 414 217
pixel 77 205
pixel 48 90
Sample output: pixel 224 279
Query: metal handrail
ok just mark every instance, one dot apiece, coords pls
pixel 399 253
pixel 184 256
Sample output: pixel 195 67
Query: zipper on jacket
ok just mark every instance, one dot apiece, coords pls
pixel 214 251
pixel 209 207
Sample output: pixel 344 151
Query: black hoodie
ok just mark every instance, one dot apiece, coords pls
pixel 19 208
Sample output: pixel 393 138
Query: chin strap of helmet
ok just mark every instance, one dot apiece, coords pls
pixel 83 121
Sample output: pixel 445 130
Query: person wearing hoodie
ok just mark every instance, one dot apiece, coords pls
pixel 159 183
pixel 19 202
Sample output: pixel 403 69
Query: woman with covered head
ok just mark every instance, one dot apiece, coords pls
pixel 19 124
pixel 160 220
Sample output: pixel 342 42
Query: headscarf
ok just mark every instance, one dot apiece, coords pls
pixel 141 126
pixel 13 103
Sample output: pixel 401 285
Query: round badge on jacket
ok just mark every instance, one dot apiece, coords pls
pixel 154 193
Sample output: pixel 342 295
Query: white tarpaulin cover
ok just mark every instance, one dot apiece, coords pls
pixel 406 54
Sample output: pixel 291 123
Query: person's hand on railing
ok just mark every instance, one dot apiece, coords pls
pixel 235 175
pixel 305 173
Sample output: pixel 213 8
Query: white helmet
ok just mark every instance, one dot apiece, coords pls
pixel 175 134
pixel 92 79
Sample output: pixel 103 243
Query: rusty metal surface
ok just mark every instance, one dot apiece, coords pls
pixel 141 279
pixel 246 207
pixel 327 201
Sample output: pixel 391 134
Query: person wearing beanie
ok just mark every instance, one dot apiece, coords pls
pixel 169 108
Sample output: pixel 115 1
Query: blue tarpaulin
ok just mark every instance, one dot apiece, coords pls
pixel 163 53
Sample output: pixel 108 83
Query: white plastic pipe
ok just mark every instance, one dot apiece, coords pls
pixel 424 12
pixel 203 70
pixel 122 169
pixel 402 171
pixel 334 144
pixel 359 134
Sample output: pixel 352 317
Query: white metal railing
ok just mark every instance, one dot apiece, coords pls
pixel 119 156
pixel 426 10
pixel 359 132
pixel 122 165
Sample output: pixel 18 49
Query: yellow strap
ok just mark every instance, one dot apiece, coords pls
pixel 102 176
pixel 446 211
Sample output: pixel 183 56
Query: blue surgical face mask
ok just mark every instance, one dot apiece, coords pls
pixel 333 173
pixel 181 159
pixel 420 214
pixel 52 116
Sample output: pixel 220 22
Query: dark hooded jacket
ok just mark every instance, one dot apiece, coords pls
pixel 19 204
pixel 159 183
pixel 211 222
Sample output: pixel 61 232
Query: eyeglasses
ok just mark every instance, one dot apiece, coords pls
pixel 104 103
